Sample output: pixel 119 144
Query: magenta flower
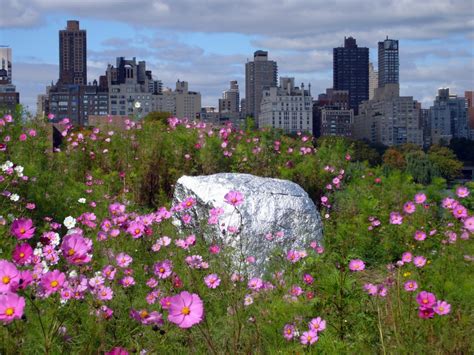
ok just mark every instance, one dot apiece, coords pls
pixel 9 276
pixel 308 338
pixel 123 260
pixel 117 351
pixel 234 198
pixel 371 289
pixel 442 308
pixel 308 279
pixel 76 249
pixel 127 281
pixel 420 235
pixel 212 280
pixel 147 318
pixel 186 309
pixel 426 299
pixel 469 224
pixel 425 313
pixel 410 286
pixel 255 283
pixel 462 191
pixel 22 254
pixel 407 257
pixel 105 293
pixel 136 229
pixel 396 218
pixel 459 211
pixel 420 198
pixel 11 307
pixel 317 324
pixel 288 331
pixel 52 281
pixel 356 265
pixel 22 228
pixel 409 207
pixel 163 269
pixel 419 261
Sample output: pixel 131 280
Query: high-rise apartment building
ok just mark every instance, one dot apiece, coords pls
pixel 351 71
pixel 332 115
pixel 73 55
pixel 373 81
pixel 181 102
pixel 6 61
pixel 9 97
pixel 287 107
pixel 259 74
pixel 448 117
pixel 388 62
pixel 229 104
pixel 389 118
pixel 469 96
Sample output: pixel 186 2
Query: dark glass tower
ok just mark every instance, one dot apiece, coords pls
pixel 388 62
pixel 73 55
pixel 351 72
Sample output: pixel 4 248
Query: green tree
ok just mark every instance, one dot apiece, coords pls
pixel 445 162
pixel 420 167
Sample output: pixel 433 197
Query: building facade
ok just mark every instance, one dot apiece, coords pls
pixel 389 118
pixel 448 117
pixel 6 62
pixel 259 74
pixel 229 104
pixel 287 107
pixel 388 62
pixel 336 121
pixel 351 71
pixel 72 55
pixel 373 81
pixel 181 102
pixel 469 96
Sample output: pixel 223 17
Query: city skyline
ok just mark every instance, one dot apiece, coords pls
pixel 435 41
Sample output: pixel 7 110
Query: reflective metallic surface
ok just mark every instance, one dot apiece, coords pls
pixel 269 206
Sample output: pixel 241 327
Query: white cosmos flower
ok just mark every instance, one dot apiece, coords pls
pixel 69 222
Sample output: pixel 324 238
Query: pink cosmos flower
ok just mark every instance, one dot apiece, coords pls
pixel 371 289
pixel 410 286
pixel 407 257
pixel 309 337
pixel 255 283
pixel 188 203
pixel 469 224
pixel 234 198
pixel 105 293
pixel 317 324
pixel 116 209
pixel 214 249
pixel 462 192
pixel 76 249
pixel 22 254
pixel 117 351
pixel 420 235
pixel 356 265
pixel 288 331
pixel 127 281
pixel 163 269
pixel 165 302
pixel 109 272
pixel 442 308
pixel 147 318
pixel 419 261
pixel 9 276
pixel 420 198
pixel 136 229
pixel 11 307
pixel 409 207
pixel 426 299
pixel 123 260
pixel 308 279
pixel 212 280
pixel 186 309
pixel 425 312
pixel 52 281
pixel 459 211
pixel 396 218
pixel 22 228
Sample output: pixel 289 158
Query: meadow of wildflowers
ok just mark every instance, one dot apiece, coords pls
pixel 90 261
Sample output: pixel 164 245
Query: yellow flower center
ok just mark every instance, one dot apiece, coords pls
pixel 185 311
pixel 54 283
pixel 137 231
pixel 425 301
pixel 70 252
pixel 22 255
pixel 10 311
pixel 22 230
pixel 5 279
pixel 162 270
pixel 143 314
pixel 441 309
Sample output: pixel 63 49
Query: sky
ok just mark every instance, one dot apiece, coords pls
pixel 207 42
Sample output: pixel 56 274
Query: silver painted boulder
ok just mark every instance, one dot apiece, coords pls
pixel 275 214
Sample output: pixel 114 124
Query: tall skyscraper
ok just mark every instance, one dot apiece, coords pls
pixel 259 74
pixel 373 81
pixel 388 62
pixel 73 55
pixel 351 71
pixel 6 61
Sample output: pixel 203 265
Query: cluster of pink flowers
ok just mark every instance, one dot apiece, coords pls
pixel 315 327
pixel 428 305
